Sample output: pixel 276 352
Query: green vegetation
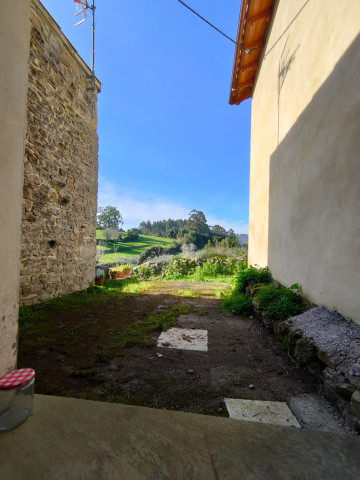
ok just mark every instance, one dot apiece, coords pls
pixel 218 269
pixel 111 251
pixel 138 333
pixel 109 217
pixel 154 239
pixel 279 302
pixel 255 286
pixel 68 301
pixel 238 303
pixel 182 292
pixel 35 320
pixel 251 277
pixel 195 230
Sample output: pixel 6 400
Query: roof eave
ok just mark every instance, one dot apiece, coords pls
pixel 254 18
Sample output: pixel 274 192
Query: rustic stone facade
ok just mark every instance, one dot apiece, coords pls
pixel 60 169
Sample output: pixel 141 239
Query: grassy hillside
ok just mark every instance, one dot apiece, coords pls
pixel 127 249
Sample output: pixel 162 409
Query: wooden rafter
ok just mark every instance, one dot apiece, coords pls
pixel 261 16
pixel 249 66
pixel 254 18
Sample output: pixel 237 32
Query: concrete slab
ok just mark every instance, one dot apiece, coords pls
pixel 75 439
pixel 274 413
pixel 184 339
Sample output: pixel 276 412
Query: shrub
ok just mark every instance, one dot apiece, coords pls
pixel 173 248
pixel 211 251
pixel 149 270
pixel 238 303
pixel 111 233
pixel 180 266
pixel 149 253
pixel 217 267
pixel 251 277
pixel 131 235
pixel 188 249
pixel 126 260
pixel 280 303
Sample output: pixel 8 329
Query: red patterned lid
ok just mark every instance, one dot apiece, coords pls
pixel 16 378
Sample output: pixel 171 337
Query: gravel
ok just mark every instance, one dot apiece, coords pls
pixel 333 335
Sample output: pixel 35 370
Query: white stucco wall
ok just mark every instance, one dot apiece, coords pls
pixel 14 53
pixel 305 152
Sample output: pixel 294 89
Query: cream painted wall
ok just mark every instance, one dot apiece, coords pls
pixel 14 53
pixel 305 152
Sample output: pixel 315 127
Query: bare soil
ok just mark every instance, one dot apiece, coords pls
pixel 244 359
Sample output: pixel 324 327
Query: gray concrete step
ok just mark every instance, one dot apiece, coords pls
pixel 67 438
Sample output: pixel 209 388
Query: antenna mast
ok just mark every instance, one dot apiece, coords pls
pixel 82 7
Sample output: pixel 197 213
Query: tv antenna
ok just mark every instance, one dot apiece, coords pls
pixel 82 7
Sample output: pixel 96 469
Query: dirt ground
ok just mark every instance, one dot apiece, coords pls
pixel 244 360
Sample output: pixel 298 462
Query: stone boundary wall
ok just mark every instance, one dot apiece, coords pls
pixel 328 345
pixel 60 168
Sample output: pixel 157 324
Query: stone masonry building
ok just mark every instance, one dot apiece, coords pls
pixel 58 243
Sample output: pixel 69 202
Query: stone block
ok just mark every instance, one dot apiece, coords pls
pixel 304 351
pixel 338 382
pixel 355 404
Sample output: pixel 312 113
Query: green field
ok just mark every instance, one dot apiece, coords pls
pixel 127 249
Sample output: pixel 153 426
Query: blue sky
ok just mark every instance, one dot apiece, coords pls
pixel 169 142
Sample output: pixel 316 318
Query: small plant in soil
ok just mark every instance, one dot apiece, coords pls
pixel 279 302
pixel 251 277
pixel 238 303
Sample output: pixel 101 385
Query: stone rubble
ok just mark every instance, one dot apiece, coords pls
pixel 328 344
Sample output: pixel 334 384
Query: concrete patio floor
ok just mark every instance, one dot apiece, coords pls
pixel 79 439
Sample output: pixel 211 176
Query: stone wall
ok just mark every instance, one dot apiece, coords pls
pixel 60 169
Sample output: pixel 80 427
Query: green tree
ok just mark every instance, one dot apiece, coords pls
pixel 111 233
pixel 198 239
pixel 197 223
pixel 109 217
pixel 218 230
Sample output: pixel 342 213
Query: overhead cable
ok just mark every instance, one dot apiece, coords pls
pixel 213 26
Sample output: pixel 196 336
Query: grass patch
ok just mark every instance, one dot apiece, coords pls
pixel 135 287
pixel 127 249
pixel 186 293
pixel 138 333
pixel 35 321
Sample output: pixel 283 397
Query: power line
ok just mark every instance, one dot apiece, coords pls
pixel 213 26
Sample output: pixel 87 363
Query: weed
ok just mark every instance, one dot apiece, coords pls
pixel 251 277
pixel 238 304
pixel 285 341
pixel 279 302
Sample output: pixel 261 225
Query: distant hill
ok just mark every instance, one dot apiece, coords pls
pixel 242 237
